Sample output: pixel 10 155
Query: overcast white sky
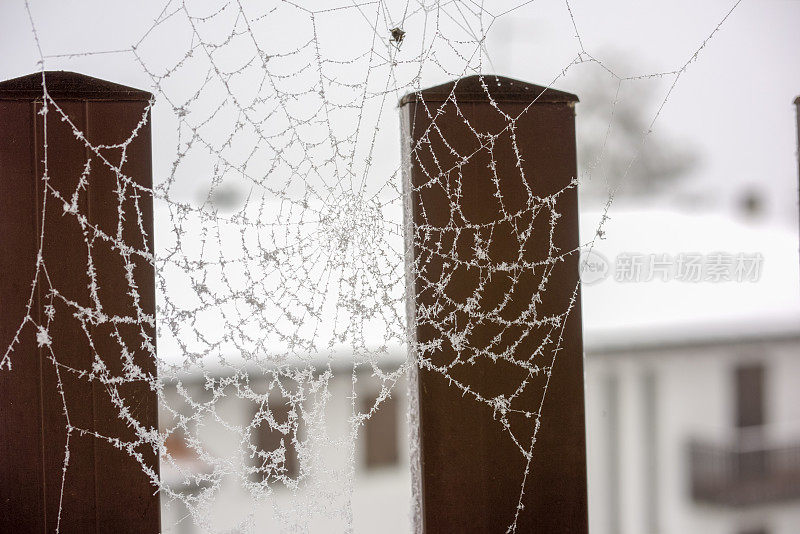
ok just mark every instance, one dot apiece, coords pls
pixel 734 102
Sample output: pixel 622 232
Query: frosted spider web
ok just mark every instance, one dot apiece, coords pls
pixel 288 271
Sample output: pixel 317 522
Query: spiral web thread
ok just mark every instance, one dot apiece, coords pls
pixel 290 270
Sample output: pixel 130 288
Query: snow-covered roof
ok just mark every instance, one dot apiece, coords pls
pixel 626 309
pixel 623 310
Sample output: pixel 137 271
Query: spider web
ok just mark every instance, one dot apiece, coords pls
pixel 279 249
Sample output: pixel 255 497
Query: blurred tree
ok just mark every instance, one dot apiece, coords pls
pixel 615 152
pixel 227 197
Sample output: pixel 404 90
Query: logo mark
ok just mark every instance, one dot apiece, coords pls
pixel 593 267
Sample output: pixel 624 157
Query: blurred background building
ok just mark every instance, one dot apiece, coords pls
pixel 693 408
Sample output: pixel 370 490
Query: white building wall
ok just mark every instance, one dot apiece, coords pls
pixel 381 499
pixel 695 400
pixel 598 447
pixel 784 400
pixel 693 392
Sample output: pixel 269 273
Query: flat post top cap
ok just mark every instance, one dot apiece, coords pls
pixel 68 85
pixel 478 88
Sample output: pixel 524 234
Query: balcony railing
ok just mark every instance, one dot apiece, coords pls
pixel 744 473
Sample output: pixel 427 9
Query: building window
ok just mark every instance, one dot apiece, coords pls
pixel 267 440
pixel 750 396
pixel 750 414
pixel 381 433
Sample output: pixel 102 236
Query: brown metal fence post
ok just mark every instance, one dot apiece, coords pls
pixel 470 471
pixel 104 488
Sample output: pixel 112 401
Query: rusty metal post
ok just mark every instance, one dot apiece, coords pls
pixel 104 489
pixel 470 472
